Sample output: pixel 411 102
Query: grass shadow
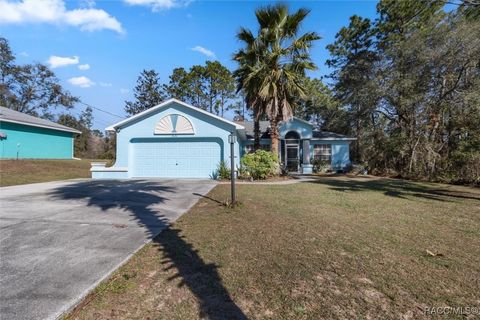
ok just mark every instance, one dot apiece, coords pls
pixel 138 198
pixel 208 198
pixel 395 188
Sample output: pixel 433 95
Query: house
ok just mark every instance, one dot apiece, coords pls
pixel 23 136
pixel 177 140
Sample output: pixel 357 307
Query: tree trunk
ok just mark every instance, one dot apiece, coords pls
pixel 274 135
pixel 256 133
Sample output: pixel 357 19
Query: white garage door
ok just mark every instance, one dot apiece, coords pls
pixel 175 159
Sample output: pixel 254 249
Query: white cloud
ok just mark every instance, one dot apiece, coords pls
pixel 87 3
pixel 204 51
pixel 124 91
pixel 56 61
pixel 24 54
pixel 55 12
pixel 104 84
pixel 158 5
pixel 82 82
pixel 85 66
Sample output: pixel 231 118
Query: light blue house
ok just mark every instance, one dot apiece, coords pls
pixel 177 140
pixel 23 136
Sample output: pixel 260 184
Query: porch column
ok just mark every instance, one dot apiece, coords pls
pixel 306 166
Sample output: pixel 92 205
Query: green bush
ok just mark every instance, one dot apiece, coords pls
pixel 259 165
pixel 223 171
pixel 320 165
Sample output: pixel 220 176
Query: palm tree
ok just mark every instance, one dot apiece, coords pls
pixel 247 58
pixel 272 64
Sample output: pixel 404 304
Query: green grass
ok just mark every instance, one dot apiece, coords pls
pixel 15 172
pixel 332 249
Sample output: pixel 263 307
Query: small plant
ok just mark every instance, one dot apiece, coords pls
pixel 320 165
pixel 223 171
pixel 260 165
pixel 243 173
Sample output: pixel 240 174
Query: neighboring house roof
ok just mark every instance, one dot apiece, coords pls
pixel 265 134
pixel 165 103
pixel 9 115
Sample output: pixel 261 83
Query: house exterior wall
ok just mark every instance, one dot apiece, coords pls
pixel 302 128
pixel 34 142
pixel 245 143
pixel 206 129
pixel 340 152
pixel 340 149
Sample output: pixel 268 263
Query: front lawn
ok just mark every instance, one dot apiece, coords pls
pixel 352 248
pixel 14 172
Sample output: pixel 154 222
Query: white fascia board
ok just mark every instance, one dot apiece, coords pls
pixel 165 103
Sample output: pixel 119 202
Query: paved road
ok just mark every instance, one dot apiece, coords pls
pixel 59 239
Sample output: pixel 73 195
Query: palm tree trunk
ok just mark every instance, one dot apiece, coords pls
pixel 274 135
pixel 256 133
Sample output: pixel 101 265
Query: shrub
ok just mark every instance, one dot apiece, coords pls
pixel 223 171
pixel 260 165
pixel 320 165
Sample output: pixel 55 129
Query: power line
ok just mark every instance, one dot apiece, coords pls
pixel 95 118
pixel 99 109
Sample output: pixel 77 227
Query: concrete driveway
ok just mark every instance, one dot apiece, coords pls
pixel 59 239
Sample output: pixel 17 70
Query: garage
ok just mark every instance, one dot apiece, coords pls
pixel 175 158
pixel 171 140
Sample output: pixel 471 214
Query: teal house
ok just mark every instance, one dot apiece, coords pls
pixel 23 136
pixel 178 140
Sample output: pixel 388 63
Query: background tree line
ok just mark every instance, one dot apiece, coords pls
pixel 210 87
pixel 408 88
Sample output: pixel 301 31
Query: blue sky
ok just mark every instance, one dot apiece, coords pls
pixel 117 39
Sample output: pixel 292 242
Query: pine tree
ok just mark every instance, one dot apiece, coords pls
pixel 148 93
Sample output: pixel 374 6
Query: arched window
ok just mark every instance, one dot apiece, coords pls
pixel 174 124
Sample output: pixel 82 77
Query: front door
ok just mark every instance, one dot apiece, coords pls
pixel 293 158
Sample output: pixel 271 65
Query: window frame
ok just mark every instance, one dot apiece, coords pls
pixel 322 152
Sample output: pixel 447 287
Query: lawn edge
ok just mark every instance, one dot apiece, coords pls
pixel 42 182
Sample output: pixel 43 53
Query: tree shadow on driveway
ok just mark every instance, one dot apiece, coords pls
pixel 141 200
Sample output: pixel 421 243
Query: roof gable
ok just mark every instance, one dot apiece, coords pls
pixel 164 105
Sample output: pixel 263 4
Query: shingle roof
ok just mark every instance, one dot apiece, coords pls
pixel 264 126
pixel 9 115
pixel 317 134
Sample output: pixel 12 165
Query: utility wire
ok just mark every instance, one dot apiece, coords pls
pixel 96 118
pixel 99 109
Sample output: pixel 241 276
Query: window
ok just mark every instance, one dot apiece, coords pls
pixel 322 152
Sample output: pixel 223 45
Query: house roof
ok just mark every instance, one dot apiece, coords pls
pixel 264 126
pixel 265 134
pixel 327 135
pixel 165 103
pixel 9 115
